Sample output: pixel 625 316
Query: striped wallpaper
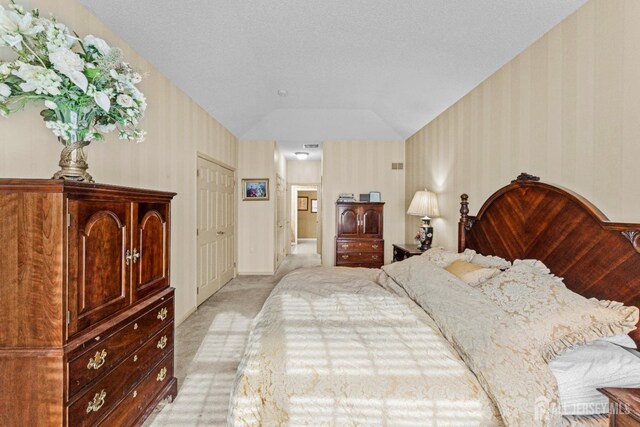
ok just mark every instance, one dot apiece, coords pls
pixel 566 109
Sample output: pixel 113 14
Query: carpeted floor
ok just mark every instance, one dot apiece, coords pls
pixel 210 344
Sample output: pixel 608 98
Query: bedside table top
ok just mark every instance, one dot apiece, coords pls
pixel 411 248
pixel 627 398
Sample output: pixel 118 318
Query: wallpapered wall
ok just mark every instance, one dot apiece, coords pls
pixel 360 167
pixel 178 129
pixel 566 109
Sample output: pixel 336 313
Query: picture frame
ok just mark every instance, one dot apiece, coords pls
pixel 375 197
pixel 303 203
pixel 314 205
pixel 255 189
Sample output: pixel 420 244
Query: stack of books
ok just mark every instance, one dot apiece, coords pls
pixel 346 197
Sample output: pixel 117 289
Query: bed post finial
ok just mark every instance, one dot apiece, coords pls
pixel 464 222
pixel 524 177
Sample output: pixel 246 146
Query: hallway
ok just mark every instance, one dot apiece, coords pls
pixel 305 247
pixel 211 342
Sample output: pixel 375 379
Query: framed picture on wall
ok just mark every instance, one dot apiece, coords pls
pixel 314 205
pixel 303 203
pixel 255 189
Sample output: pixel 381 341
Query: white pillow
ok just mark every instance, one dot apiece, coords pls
pixel 489 261
pixel 442 257
pixel 580 370
pixel 621 340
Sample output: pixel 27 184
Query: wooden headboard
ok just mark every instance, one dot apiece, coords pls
pixel 529 219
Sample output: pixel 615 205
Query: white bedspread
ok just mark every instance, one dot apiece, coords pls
pixel 333 347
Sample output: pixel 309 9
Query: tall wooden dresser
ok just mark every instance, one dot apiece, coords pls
pixel 359 234
pixel 86 311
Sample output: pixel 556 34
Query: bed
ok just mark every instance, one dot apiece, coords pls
pixel 412 344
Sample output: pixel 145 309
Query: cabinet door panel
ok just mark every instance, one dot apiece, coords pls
pixel 347 221
pixel 98 274
pixel 371 223
pixel 151 241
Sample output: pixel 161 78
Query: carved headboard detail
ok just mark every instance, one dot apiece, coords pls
pixel 530 219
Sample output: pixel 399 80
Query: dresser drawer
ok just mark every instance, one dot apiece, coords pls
pixel 360 257
pixel 109 352
pixel 352 245
pixel 91 406
pixel 142 395
pixel 360 264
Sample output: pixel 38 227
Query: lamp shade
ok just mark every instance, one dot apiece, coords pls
pixel 424 203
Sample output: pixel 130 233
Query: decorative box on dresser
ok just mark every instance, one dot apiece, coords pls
pixel 359 234
pixel 86 311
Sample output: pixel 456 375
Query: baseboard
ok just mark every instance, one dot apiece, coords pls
pixel 186 316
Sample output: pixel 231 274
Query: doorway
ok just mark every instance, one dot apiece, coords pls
pixel 305 219
pixel 216 227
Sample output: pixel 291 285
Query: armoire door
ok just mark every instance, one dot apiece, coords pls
pixel 371 222
pixel 347 221
pixel 98 240
pixel 150 254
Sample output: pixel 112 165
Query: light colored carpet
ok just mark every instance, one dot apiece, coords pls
pixel 210 344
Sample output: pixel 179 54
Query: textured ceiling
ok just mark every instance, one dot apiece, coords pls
pixel 356 69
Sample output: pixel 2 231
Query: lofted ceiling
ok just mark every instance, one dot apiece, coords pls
pixel 355 69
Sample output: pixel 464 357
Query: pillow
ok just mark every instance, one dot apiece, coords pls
pixel 442 257
pixel 555 317
pixel 472 274
pixel 580 370
pixel 489 261
pixel 621 340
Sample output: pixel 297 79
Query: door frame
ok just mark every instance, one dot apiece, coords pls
pixel 293 189
pixel 194 231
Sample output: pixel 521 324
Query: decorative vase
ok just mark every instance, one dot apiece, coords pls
pixel 73 162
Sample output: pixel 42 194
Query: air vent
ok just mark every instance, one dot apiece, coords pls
pixel 311 145
pixel 397 166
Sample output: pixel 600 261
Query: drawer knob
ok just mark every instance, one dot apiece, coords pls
pixel 162 342
pixel 345 256
pixel 375 246
pixel 162 374
pixel 345 246
pixel 98 360
pixel 96 403
pixel 135 394
pixel 162 314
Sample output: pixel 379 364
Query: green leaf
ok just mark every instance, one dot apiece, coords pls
pixel 92 73
pixel 48 115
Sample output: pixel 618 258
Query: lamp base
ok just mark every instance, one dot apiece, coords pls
pixel 426 234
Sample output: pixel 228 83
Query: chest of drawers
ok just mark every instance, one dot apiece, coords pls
pixel 87 318
pixel 359 234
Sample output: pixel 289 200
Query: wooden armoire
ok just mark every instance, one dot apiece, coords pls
pixel 359 234
pixel 86 310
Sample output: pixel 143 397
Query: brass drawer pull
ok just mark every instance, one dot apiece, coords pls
pixel 135 394
pixel 162 314
pixel 162 375
pixel 162 342
pixel 96 403
pixel 374 257
pixel 98 360
pixel 135 326
pixel 345 246
pixel 345 256
pixel 375 246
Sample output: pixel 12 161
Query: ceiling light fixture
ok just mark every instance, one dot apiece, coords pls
pixel 302 155
pixel 283 93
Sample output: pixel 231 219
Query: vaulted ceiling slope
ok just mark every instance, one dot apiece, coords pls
pixel 355 69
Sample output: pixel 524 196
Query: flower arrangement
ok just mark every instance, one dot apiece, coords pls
pixel 87 88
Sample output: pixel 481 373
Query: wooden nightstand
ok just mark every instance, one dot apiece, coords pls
pixel 624 406
pixel 402 251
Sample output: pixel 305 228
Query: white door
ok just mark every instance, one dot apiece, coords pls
pixel 216 228
pixel 281 220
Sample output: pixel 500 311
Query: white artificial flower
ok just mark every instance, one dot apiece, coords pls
pixel 102 100
pixel 13 26
pixel 71 65
pixel 5 92
pixel 131 112
pixel 38 79
pixel 105 128
pixel 100 45
pixel 58 36
pixel 50 105
pixel 125 101
pixel 5 68
pixel 136 78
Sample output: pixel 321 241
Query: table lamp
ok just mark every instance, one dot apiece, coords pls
pixel 424 204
